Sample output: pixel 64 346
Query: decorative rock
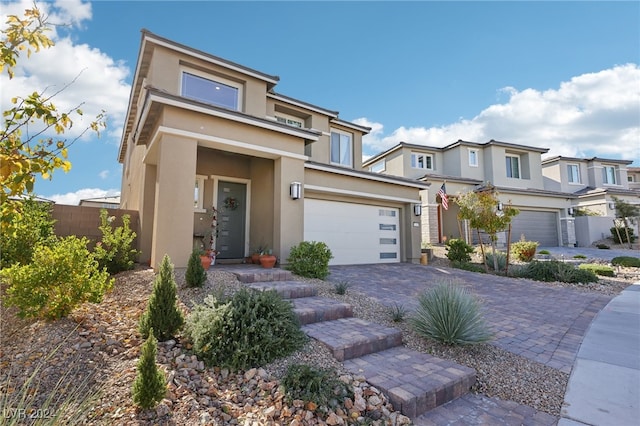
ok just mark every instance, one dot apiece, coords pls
pixel 250 374
pixel 333 419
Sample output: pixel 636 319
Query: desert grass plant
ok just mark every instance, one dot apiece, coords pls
pixel 458 250
pixel 450 314
pixel 310 259
pixel 579 256
pixel 311 384
pixel 626 261
pixel 496 259
pixel 397 313
pixel 115 251
pixel 468 266
pixel 341 287
pixel 60 277
pixel 249 329
pixel 545 252
pixel 195 275
pixel 162 314
pixel 553 270
pixel 598 269
pixel 150 385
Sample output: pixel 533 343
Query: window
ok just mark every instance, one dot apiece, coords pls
pixel 473 157
pixel 513 166
pixel 223 94
pixel 198 193
pixel 422 161
pixel 630 178
pixel 390 213
pixel 609 175
pixel 387 227
pixel 573 173
pixel 341 149
pixel 378 167
pixel 289 121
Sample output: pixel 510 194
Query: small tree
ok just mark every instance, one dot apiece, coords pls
pixel 115 251
pixel 627 214
pixel 480 207
pixel 195 276
pixel 150 386
pixel 162 315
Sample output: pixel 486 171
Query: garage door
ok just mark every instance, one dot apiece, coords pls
pixel 536 226
pixel 355 233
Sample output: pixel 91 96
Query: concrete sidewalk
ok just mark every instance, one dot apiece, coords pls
pixel 604 386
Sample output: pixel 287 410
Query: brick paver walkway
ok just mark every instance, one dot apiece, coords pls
pixel 534 320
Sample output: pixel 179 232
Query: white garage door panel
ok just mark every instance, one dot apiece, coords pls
pixel 352 231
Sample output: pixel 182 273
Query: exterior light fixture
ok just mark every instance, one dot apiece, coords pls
pixel 570 211
pixel 417 209
pixel 295 190
pixel 612 206
pixel 500 206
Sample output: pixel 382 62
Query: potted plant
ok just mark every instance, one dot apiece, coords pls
pixel 205 259
pixel 255 257
pixel 267 259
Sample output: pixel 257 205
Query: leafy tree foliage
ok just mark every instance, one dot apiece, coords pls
pixel 23 154
pixel 114 252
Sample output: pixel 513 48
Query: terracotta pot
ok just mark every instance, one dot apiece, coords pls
pixel 206 261
pixel 255 258
pixel 267 260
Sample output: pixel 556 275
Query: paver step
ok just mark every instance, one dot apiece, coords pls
pixel 254 274
pixel 349 338
pixel 316 309
pixel 414 382
pixel 286 289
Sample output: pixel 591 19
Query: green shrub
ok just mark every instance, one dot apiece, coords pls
pixel 59 278
pixel 150 385
pixel 623 235
pixel 310 259
pixel 468 266
pixel 523 250
pixel 603 246
pixel 579 256
pixel 557 271
pixel 546 252
pixel 397 313
pixel 252 328
pixel 195 276
pixel 162 314
pixel 627 261
pixel 449 314
pixel 458 250
pixel 602 270
pixel 320 386
pixel 499 258
pixel 32 228
pixel 341 287
pixel 114 251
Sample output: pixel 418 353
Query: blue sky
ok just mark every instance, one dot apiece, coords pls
pixel 561 75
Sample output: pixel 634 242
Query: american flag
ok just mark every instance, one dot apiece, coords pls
pixel 443 196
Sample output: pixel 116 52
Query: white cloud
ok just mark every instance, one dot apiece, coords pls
pixel 104 174
pixel 73 198
pixel 592 114
pixel 99 80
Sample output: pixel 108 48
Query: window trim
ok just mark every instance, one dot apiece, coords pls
pixel 342 133
pixel 518 159
pixel 476 152
pixel 215 78
pixel 424 156
pixel 577 166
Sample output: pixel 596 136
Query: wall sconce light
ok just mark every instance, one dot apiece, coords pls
pixel 500 206
pixel 295 190
pixel 417 209
pixel 570 211
pixel 612 206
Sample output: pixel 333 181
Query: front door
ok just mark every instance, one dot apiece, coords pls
pixel 231 205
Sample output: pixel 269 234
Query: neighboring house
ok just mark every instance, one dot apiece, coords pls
pixel 633 177
pixel 515 171
pixel 202 131
pixel 101 202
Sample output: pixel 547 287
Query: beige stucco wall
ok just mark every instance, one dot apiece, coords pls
pixel 530 167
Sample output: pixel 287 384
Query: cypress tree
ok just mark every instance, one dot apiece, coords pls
pixel 162 313
pixel 150 385
pixel 195 275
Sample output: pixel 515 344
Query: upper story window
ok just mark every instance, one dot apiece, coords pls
pixel 422 161
pixel 378 167
pixel 341 148
pixel 219 91
pixel 289 121
pixel 630 178
pixel 573 173
pixel 609 175
pixel 513 166
pixel 473 157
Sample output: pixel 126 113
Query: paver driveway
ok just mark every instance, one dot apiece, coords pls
pixel 531 319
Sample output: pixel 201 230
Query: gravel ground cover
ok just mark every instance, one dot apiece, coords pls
pixel 96 349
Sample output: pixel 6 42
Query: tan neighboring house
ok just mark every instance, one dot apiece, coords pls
pixel 633 177
pixel 515 170
pixel 203 131
pixel 101 202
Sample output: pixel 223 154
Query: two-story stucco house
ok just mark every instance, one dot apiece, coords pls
pixel 202 131
pixel 515 171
